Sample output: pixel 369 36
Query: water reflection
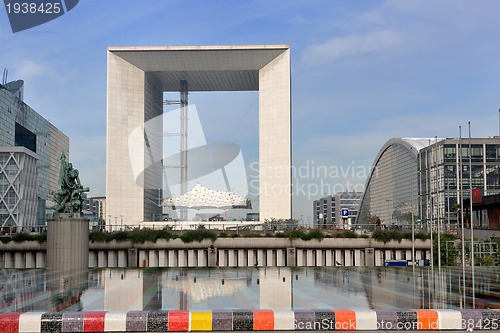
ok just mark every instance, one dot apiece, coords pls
pixel 277 288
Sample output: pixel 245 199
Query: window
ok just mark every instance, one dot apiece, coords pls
pixel 492 153
pixel 449 153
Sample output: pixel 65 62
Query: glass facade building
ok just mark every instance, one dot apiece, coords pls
pixel 391 190
pixel 448 168
pixel 22 126
pixel 418 179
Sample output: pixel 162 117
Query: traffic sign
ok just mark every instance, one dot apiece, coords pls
pixel 345 213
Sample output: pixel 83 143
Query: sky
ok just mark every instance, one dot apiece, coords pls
pixel 362 72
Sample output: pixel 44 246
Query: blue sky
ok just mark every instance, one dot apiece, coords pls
pixel 362 72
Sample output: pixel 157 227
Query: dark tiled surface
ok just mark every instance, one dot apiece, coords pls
pixel 222 320
pixel 387 319
pixel 324 319
pixel 491 320
pixel 471 319
pixel 51 323
pixel 157 321
pixel 243 320
pixel 408 320
pixel 304 319
pixel 72 322
pixel 136 321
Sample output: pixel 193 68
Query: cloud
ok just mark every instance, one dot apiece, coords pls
pixel 352 45
pixel 29 69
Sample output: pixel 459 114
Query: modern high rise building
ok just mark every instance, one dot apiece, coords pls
pixel 327 211
pixel 30 151
pixel 420 179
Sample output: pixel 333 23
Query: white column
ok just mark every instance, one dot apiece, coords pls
pixel 92 259
pixel 8 260
pixel 270 258
pixel 378 257
pixel 319 258
pixel 388 254
pixel 143 258
pixel 122 258
pixel 348 261
pixel 202 258
pixel 280 260
pixel 162 258
pixel 19 260
pixel 357 258
pixel 191 258
pixel 182 261
pixel 40 260
pixel 231 258
pixel 300 257
pixel 398 254
pixel 153 258
pixel 172 258
pixel 30 260
pixel 251 258
pixel 101 259
pixel 308 259
pixel 260 258
pixel 112 259
pixel 329 258
pixel 241 258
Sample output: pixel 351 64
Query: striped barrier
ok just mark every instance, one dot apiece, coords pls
pixel 249 320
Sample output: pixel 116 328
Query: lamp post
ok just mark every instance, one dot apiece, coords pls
pixel 431 207
pixel 437 203
pixel 471 224
pixel 460 200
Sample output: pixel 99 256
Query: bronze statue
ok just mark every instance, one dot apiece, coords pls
pixel 70 198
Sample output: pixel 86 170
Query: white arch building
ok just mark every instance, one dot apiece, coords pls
pixel 137 78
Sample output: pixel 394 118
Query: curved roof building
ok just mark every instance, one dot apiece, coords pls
pixel 391 190
pixel 419 178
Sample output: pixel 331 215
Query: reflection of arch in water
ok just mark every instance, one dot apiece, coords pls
pixel 205 287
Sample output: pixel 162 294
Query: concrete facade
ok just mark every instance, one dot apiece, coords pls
pixel 18 190
pixel 226 252
pixel 137 78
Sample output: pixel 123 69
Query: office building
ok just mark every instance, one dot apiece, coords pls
pixel 43 143
pixel 96 206
pixel 327 211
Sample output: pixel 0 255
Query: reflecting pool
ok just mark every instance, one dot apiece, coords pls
pixel 276 288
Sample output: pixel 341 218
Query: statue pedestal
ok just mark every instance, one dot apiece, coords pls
pixel 67 251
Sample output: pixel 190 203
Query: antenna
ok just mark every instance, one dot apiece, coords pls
pixel 5 75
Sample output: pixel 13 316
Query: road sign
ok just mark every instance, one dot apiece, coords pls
pixel 345 213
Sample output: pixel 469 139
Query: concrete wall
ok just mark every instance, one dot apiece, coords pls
pixel 225 252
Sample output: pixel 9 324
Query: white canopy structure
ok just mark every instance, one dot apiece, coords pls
pixel 202 197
